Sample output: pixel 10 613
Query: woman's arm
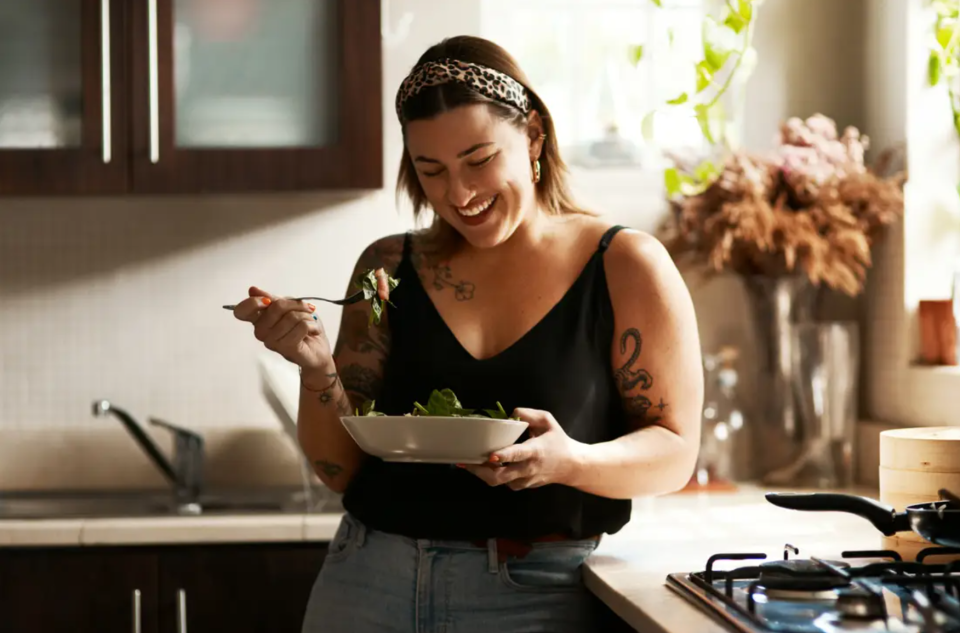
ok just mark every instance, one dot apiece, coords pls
pixel 658 368
pixel 355 376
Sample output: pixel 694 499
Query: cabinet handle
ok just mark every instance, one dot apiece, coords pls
pixel 181 611
pixel 136 611
pixel 154 81
pixel 105 79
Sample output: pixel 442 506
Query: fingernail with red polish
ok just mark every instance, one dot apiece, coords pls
pixel 494 458
pixel 311 307
pixel 265 301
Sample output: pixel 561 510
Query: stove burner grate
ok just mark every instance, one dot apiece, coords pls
pixel 778 595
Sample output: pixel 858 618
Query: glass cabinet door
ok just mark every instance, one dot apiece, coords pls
pixel 41 75
pixel 249 75
pixel 62 114
pixel 246 95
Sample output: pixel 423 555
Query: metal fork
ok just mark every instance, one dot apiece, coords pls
pixel 354 298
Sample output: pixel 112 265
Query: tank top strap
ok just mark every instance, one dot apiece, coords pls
pixel 608 237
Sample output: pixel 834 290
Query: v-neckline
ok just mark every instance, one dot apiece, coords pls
pixel 512 346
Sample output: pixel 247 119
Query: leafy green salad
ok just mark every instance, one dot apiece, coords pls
pixel 442 403
pixel 376 286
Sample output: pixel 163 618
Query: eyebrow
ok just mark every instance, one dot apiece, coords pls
pixel 466 152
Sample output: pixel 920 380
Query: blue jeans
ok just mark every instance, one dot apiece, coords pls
pixel 374 582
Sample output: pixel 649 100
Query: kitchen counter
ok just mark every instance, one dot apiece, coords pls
pixel 677 533
pixel 668 534
pixel 260 528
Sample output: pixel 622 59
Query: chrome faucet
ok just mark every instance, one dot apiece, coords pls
pixel 185 473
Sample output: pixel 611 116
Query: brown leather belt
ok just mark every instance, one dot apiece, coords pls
pixel 519 548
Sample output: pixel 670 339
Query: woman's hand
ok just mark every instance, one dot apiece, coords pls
pixel 548 457
pixel 287 327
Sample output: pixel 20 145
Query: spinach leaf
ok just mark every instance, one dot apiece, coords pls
pixel 367 282
pixel 444 403
pixel 498 414
pixel 369 409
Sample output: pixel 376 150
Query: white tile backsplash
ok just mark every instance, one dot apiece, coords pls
pixel 104 456
pixel 121 299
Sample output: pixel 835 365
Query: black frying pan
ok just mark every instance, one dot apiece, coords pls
pixel 937 522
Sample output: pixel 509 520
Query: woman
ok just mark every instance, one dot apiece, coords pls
pixel 514 295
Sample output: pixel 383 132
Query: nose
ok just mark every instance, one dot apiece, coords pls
pixel 459 193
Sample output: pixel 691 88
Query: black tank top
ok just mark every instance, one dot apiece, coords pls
pixel 562 365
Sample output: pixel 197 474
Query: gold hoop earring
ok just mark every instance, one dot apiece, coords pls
pixel 536 171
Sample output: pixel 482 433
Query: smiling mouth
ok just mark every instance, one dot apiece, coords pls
pixel 477 209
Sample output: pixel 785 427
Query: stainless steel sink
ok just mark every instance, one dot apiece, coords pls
pixel 151 504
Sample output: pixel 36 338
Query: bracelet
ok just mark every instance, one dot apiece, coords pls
pixel 324 393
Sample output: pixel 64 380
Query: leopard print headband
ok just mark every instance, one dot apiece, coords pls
pixel 486 81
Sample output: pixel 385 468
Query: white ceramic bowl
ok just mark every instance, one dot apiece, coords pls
pixel 432 439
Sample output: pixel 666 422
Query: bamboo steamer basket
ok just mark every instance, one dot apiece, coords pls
pixel 914 464
pixel 933 449
pixel 908 550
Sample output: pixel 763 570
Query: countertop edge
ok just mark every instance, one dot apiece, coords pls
pixel 127 531
pixel 624 608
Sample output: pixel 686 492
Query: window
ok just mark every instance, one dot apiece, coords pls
pixel 579 56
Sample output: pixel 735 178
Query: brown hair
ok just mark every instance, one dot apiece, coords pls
pixel 553 193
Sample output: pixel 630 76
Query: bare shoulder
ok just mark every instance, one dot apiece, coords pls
pixel 385 252
pixel 646 288
pixel 634 252
pixel 641 275
pixel 630 252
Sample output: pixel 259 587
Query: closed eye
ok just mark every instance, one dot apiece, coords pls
pixel 481 163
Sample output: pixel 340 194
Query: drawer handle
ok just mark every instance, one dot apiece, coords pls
pixel 181 611
pixel 136 611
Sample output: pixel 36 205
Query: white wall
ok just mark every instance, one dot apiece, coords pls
pixel 915 263
pixel 810 60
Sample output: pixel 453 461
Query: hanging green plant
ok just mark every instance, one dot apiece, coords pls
pixel 944 61
pixel 727 55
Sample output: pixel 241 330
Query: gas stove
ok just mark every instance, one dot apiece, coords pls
pixel 860 591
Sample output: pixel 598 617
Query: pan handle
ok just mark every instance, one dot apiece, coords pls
pixel 885 518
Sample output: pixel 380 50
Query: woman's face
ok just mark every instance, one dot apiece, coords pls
pixel 476 171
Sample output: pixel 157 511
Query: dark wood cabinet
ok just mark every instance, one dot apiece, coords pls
pixel 241 588
pixel 69 590
pixel 189 96
pixel 63 98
